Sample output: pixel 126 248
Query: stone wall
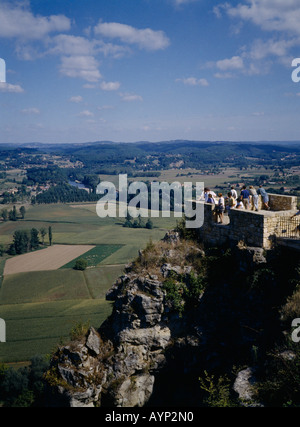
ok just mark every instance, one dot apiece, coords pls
pixel 282 203
pixel 248 226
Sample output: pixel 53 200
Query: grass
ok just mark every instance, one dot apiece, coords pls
pixel 41 286
pixel 2 265
pixel 40 308
pixel 99 280
pixel 37 328
pixel 95 255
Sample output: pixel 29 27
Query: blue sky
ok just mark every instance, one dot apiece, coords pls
pixel 92 70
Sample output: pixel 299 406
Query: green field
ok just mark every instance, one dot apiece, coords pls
pixel 95 256
pixel 41 307
pixel 37 328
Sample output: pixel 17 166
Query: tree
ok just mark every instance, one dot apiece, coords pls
pixel 127 223
pixel 20 243
pixel 4 214
pixel 23 387
pixel 22 212
pixel 43 234
pixel 34 238
pixel 13 214
pixel 149 224
pixel 81 264
pixel 50 235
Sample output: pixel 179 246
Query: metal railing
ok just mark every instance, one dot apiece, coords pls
pixel 289 228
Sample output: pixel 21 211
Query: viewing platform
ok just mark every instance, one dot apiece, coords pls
pixel 260 228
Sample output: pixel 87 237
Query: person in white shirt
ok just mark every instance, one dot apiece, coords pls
pixel 240 204
pixel 205 194
pixel 221 207
pixel 234 193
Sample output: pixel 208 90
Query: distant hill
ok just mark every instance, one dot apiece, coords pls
pixel 121 157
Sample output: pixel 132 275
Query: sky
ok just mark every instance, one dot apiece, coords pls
pixel 79 71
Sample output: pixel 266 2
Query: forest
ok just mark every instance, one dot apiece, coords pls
pixel 110 157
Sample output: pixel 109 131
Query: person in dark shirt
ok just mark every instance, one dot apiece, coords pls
pixel 245 194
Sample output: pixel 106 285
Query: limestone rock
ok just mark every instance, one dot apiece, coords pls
pixel 168 269
pixel 172 237
pixel 135 391
pixel 243 384
pixel 93 341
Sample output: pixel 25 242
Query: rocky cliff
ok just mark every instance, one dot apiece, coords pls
pixel 179 310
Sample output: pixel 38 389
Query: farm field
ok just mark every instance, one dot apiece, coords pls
pixel 38 328
pixel 50 258
pixel 95 255
pixel 41 307
pixel 228 175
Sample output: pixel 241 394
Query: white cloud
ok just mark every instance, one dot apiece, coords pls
pixel 89 86
pixel 105 107
pixel 217 10
pixel 192 81
pixel 223 75
pixel 181 2
pixel 76 99
pixel 282 17
pixel 69 45
pixel 261 49
pixel 145 39
pixel 85 67
pixel 7 87
pixel 269 15
pixel 31 110
pixel 128 97
pixel 17 21
pixel 110 86
pixel 234 63
pixel 86 113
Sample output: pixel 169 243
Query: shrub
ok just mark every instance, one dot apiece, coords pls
pixel 80 264
pixel 79 331
pixel 217 391
pixel 174 295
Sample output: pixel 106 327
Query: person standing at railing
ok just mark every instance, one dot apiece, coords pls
pixel 264 196
pixel 245 195
pixel 220 208
pixel 233 192
pixel 254 197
